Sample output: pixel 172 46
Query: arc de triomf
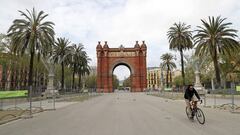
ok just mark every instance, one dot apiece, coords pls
pixel 109 58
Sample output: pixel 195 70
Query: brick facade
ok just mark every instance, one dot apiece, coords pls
pixel 109 58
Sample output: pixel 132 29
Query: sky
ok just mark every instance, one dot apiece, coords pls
pixel 122 21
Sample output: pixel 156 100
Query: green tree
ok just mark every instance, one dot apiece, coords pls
pixel 168 64
pixel 32 35
pixel 61 55
pixel 180 39
pixel 230 67
pixel 115 82
pixel 213 38
pixel 91 81
pixel 79 62
pixel 83 67
pixel 127 82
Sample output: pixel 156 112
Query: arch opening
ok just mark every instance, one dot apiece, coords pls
pixel 121 78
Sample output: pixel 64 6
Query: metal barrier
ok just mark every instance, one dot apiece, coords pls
pixel 222 99
pixel 15 108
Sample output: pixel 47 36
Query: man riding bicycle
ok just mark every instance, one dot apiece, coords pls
pixel 190 96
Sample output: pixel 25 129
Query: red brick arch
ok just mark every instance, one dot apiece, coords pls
pixel 109 58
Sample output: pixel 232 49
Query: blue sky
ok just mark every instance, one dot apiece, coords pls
pixel 122 21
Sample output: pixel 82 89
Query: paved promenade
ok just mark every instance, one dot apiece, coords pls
pixel 124 114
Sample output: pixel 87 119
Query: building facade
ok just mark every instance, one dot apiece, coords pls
pixel 154 78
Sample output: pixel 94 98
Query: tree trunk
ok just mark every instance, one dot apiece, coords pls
pixel 12 72
pixel 17 78
pixel 20 77
pixel 217 70
pixel 73 77
pixel 8 78
pixel 182 64
pixel 167 76
pixel 35 78
pixel 30 75
pixel 170 78
pixel 25 78
pixel 62 83
pixel 79 81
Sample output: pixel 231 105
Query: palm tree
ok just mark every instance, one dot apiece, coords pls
pixel 180 39
pixel 32 35
pixel 77 57
pixel 83 69
pixel 214 38
pixel 61 53
pixel 168 64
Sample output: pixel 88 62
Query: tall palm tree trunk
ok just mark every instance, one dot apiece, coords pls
pixel 25 78
pixel 170 78
pixel 30 75
pixel 17 79
pixel 62 82
pixel 73 80
pixel 20 77
pixel 73 77
pixel 35 78
pixel 79 80
pixel 8 77
pixel 167 76
pixel 217 71
pixel 182 64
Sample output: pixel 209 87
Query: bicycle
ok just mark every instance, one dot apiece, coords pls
pixel 196 112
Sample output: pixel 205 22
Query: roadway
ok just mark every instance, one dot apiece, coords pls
pixel 124 114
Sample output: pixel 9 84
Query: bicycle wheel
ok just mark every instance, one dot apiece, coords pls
pixel 188 114
pixel 200 116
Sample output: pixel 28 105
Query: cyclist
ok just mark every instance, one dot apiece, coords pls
pixel 190 96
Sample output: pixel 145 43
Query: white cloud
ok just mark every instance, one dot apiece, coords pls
pixel 122 21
